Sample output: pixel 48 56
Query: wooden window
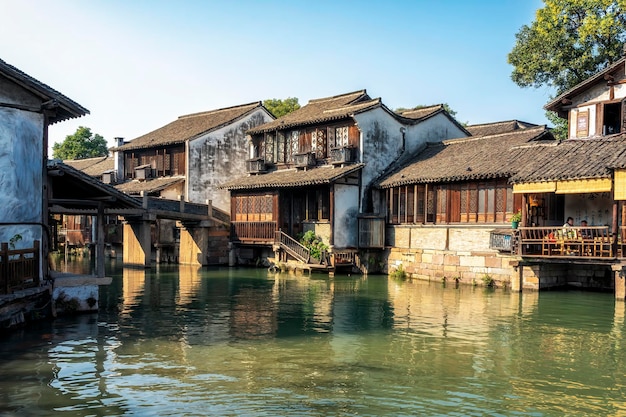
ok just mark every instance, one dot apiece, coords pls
pixel 321 147
pixel 421 204
pixel 295 144
pixel 410 204
pixel 582 124
pixel 431 204
pixel 281 147
pixel 341 136
pixel 269 148
pixel 470 202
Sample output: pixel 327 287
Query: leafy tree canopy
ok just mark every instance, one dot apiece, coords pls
pixel 280 107
pixel 569 41
pixel 82 144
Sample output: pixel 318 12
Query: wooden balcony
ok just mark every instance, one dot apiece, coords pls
pixel 19 268
pixel 304 160
pixel 254 232
pixel 591 242
pixel 256 166
pixel 343 155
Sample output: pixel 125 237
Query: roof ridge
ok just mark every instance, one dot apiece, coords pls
pixel 440 105
pixel 371 102
pixel 481 137
pixel 317 100
pixel 204 113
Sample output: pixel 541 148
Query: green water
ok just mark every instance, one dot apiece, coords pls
pixel 181 341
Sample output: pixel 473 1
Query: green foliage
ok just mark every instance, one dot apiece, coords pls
pixel 488 281
pixel 517 217
pixel 16 238
pixel 280 107
pixel 398 273
pixel 569 41
pixel 559 129
pixel 82 144
pixel 314 244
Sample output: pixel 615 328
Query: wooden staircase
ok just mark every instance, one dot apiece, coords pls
pixel 292 247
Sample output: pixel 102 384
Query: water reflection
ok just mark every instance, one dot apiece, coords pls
pixel 191 341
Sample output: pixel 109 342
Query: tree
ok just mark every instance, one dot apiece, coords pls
pixel 280 107
pixel 569 41
pixel 82 144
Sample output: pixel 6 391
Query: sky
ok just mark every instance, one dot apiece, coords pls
pixel 138 65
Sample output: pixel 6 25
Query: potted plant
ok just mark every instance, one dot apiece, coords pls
pixel 515 219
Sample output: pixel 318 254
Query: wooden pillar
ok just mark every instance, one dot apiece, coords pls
pixel 137 243
pixel 620 281
pixel 193 248
pixel 100 241
pixel 524 210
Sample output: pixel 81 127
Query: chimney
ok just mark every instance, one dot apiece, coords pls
pixel 119 142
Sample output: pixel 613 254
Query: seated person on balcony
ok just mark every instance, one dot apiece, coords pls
pixel 584 232
pixel 567 232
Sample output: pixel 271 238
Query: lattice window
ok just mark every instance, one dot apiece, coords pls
pixel 295 144
pixel 341 136
pixel 281 147
pixel 267 205
pixel 500 199
pixel 269 148
pixel 320 147
pixel 473 200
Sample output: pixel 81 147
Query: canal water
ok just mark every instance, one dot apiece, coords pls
pixel 183 341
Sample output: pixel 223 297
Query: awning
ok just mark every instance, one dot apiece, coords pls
pixel 598 185
pixel 535 187
pixel 620 184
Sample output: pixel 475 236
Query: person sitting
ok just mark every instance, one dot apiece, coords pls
pixel 568 233
pixel 584 232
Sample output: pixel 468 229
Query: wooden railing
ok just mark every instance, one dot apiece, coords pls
pixel 292 247
pixel 260 232
pixel 19 268
pixel 557 241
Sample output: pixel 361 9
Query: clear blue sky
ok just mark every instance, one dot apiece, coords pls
pixel 138 65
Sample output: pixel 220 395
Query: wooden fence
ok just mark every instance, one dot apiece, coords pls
pixel 19 268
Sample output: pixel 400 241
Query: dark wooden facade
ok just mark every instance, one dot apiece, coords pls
pixel 163 161
pixel 487 201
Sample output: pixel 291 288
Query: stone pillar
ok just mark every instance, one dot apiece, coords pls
pixel 232 254
pixel 193 245
pixel 137 244
pixel 620 285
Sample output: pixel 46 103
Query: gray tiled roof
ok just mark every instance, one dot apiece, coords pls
pixel 571 159
pixel 149 185
pixel 497 127
pixel 285 178
pixel 64 108
pixel 421 112
pixel 190 126
pixel 92 166
pixel 321 110
pixel 466 159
